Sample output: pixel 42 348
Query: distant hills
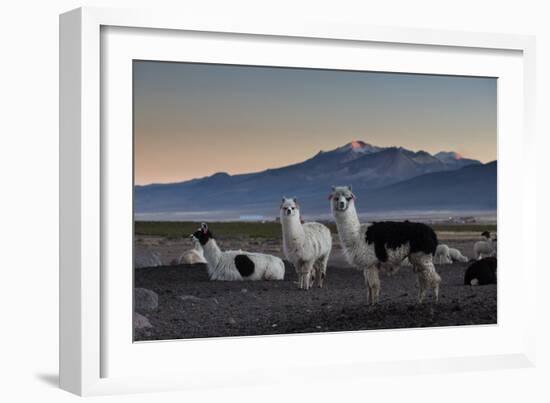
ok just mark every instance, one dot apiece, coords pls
pixel 383 178
pixel 472 188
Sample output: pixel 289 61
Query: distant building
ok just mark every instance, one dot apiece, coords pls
pixel 462 220
pixel 251 217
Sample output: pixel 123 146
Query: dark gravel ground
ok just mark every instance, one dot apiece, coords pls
pixel 191 306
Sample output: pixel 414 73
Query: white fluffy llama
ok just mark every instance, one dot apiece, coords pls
pixel 442 254
pixel 446 255
pixel 384 246
pixel 193 256
pixel 307 245
pixel 486 248
pixel 457 256
pixel 237 265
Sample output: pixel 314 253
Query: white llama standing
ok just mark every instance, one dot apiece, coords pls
pixel 307 245
pixel 384 246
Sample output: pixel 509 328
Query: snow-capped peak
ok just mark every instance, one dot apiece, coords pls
pixel 445 156
pixel 359 146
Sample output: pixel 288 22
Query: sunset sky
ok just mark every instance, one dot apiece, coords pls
pixel 193 120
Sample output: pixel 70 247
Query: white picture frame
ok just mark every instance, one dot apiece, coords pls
pixel 98 357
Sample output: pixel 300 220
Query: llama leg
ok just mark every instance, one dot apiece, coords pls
pixel 373 283
pixel 420 281
pixel 321 270
pixel 299 270
pixel 305 275
pixel 316 278
pixel 428 278
pixel 367 285
pixel 376 285
pixel 435 280
pixel 310 276
pixel 301 278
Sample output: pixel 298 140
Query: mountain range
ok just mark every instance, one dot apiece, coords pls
pixel 383 178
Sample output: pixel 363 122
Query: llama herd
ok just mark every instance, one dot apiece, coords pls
pixel 381 247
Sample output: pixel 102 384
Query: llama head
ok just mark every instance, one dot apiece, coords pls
pixel 289 207
pixel 194 240
pixel 203 234
pixel 486 234
pixel 341 198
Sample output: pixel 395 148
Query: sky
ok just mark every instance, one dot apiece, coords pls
pixel 193 120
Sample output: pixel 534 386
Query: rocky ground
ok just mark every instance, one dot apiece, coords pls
pixel 191 306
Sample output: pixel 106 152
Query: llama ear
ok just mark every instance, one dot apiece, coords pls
pixel 349 187
pixel 204 227
pixel 333 188
pixel 294 199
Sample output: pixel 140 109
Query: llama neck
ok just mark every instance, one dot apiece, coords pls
pixel 292 228
pixel 349 227
pixel 198 247
pixel 212 253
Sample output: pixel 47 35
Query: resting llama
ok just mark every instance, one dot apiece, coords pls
pixel 486 248
pixel 442 254
pixel 481 272
pixel 237 265
pixel 384 245
pixel 446 255
pixel 307 245
pixel 457 256
pixel 193 256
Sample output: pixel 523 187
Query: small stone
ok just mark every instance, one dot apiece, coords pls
pixel 141 322
pixel 191 298
pixel 232 321
pixel 144 257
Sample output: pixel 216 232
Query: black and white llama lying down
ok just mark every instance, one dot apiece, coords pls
pixel 383 246
pixel 481 272
pixel 307 245
pixel 236 265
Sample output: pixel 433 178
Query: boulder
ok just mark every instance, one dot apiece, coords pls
pixel 144 257
pixel 141 322
pixel 145 300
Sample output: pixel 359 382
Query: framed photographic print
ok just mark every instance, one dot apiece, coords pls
pixel 279 196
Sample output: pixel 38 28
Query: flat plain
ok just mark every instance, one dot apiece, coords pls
pixel 192 306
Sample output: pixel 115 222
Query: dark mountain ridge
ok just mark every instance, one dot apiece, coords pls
pixel 383 174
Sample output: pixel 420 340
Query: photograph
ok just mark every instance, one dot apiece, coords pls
pixel 275 200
